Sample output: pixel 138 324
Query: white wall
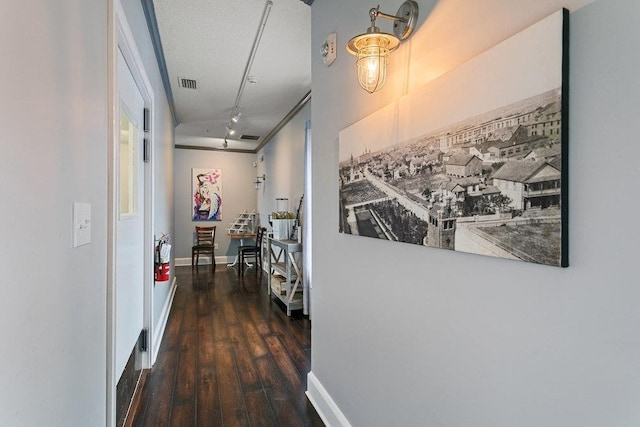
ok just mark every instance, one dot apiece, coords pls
pixel 238 195
pixel 53 116
pixel 283 164
pixel 405 335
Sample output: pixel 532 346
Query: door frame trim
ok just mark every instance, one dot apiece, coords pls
pixel 120 36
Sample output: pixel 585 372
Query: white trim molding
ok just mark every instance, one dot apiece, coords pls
pixel 327 409
pixel 162 322
pixel 120 38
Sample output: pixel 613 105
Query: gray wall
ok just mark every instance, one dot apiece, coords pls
pixel 238 195
pixel 53 115
pixel 283 164
pixel 440 338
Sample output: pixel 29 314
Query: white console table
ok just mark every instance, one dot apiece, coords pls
pixel 285 258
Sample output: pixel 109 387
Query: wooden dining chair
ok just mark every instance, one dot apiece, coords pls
pixel 205 244
pixel 251 251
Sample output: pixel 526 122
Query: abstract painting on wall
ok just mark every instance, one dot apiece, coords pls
pixel 207 194
pixel 474 161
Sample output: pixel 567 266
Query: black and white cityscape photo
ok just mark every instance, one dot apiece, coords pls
pixel 472 162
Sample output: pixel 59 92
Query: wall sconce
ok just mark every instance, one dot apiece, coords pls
pixel 371 48
pixel 260 180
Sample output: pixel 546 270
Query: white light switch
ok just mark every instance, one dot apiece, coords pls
pixel 81 224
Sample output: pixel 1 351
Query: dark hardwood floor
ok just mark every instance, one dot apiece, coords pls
pixel 229 357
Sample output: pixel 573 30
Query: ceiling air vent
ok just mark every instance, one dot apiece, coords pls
pixel 187 83
pixel 250 137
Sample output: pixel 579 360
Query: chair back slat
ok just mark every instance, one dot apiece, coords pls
pixel 205 235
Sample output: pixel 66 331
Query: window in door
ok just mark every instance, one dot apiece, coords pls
pixel 129 141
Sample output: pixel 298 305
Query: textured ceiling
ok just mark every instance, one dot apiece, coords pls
pixel 210 41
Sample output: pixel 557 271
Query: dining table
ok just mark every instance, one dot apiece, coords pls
pixel 241 236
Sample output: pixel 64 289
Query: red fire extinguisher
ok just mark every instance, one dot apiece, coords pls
pixel 161 273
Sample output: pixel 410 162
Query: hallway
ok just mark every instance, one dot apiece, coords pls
pixel 229 356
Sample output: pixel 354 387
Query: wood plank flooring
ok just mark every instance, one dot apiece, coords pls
pixel 229 357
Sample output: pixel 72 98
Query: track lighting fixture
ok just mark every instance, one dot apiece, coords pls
pixel 235 111
pixel 235 115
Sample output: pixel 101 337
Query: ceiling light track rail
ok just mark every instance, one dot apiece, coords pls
pixel 254 50
pixel 235 111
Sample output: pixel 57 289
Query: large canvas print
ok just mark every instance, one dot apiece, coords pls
pixel 475 161
pixel 207 194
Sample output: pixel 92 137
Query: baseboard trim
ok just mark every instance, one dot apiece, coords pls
pixel 327 409
pixel 162 322
pixel 204 260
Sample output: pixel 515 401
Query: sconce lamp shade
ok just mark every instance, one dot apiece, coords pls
pixel 371 50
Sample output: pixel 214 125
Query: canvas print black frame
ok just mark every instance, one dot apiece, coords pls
pixel 475 161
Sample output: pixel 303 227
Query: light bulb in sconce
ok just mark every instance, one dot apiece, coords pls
pixel 372 48
pixel 259 180
pixel 372 61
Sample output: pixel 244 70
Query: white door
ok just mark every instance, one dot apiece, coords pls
pixel 129 249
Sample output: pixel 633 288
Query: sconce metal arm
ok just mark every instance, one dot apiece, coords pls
pixel 404 20
pixel 375 13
